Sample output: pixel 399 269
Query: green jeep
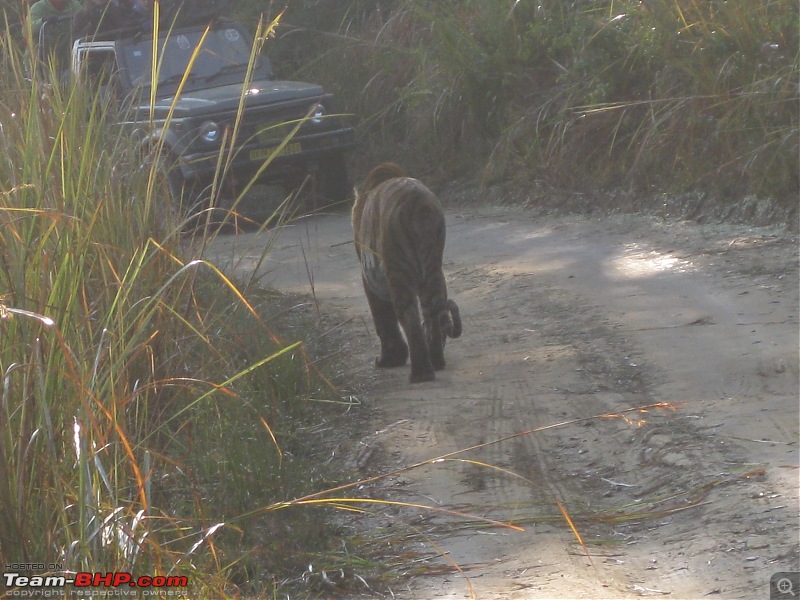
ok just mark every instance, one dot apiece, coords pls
pixel 287 132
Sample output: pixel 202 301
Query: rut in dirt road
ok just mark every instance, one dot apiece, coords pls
pixel 564 319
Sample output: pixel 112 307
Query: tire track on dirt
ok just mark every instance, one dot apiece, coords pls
pixel 561 355
pixel 536 380
pixel 565 319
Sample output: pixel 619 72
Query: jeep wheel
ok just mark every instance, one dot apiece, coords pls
pixel 179 199
pixel 333 183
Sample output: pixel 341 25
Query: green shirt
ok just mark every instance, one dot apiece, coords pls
pixel 42 10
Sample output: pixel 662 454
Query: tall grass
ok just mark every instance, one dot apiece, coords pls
pixel 664 95
pixel 683 94
pixel 144 400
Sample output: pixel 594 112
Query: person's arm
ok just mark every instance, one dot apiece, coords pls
pixel 36 16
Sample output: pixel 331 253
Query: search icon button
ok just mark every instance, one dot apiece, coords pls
pixel 783 586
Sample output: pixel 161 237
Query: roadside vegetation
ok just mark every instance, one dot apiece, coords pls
pixel 649 98
pixel 155 416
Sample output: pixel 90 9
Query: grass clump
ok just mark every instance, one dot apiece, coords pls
pixel 147 406
pixel 661 96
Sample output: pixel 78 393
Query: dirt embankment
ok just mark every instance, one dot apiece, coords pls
pixel 564 319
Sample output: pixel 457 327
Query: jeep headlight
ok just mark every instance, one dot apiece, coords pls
pixel 209 132
pixel 317 113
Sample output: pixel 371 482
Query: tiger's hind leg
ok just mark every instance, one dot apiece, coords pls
pixel 421 365
pixel 433 300
pixel 435 336
pixel 394 351
pixel 405 303
pixel 436 341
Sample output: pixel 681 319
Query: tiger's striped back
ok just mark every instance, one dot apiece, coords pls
pixel 399 232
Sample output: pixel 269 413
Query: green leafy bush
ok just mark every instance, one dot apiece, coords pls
pixel 667 95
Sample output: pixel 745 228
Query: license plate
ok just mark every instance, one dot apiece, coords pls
pixel 265 153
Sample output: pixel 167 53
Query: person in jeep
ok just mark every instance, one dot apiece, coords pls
pixel 43 10
pixel 97 17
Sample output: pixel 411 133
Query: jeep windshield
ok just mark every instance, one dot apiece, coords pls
pixel 222 59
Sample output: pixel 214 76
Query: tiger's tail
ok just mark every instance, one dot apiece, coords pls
pixel 450 320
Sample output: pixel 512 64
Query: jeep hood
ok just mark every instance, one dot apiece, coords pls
pixel 226 98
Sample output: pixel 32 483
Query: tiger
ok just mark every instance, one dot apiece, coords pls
pixel 399 235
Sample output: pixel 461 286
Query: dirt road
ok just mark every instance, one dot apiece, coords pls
pixel 566 318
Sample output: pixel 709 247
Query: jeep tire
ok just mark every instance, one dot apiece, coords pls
pixel 333 185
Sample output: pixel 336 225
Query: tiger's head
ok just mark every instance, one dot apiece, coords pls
pixel 378 175
pixel 381 173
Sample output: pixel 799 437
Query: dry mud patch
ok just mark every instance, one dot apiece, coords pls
pixel 567 319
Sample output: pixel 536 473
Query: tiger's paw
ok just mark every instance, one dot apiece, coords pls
pixel 388 362
pixel 392 356
pixel 421 376
pixel 437 360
